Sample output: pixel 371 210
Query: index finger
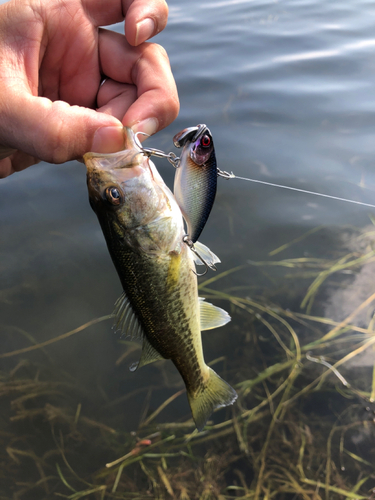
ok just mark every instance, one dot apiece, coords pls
pixel 143 18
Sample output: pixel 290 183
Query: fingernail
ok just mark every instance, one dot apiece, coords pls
pixel 148 126
pixel 108 140
pixel 144 30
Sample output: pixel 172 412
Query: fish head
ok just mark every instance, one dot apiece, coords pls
pixel 121 184
pixel 127 193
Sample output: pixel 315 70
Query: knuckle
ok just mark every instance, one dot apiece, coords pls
pixel 162 52
pixel 49 138
pixel 61 142
pixel 154 51
pixel 174 108
pixel 57 144
pixel 169 110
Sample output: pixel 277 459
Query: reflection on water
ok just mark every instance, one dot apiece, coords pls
pixel 287 89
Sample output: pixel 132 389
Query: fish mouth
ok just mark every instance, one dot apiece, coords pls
pixel 131 161
pixel 126 164
pixel 120 159
pixel 116 169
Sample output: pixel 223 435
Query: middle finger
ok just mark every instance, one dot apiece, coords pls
pixel 147 67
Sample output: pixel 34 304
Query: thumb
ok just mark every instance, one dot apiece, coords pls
pixel 57 132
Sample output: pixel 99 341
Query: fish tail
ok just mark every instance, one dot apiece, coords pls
pixel 214 394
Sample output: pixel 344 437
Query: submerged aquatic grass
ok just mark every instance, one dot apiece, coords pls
pixel 303 426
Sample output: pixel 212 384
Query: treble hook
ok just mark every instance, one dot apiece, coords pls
pixel 148 151
pixel 137 141
pixel 190 244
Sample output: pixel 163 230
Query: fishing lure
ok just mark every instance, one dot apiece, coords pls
pixel 195 180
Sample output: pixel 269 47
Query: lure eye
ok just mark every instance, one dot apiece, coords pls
pixel 113 195
pixel 202 149
pixel 206 141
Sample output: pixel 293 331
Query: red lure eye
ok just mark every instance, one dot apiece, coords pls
pixel 206 141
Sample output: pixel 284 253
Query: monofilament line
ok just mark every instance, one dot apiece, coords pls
pixel 233 176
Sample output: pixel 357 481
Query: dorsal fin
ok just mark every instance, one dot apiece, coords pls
pixel 212 316
pixel 126 320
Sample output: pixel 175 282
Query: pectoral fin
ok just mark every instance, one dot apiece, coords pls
pixel 206 255
pixel 126 320
pixel 149 355
pixel 212 316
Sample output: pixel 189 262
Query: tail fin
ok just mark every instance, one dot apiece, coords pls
pixel 214 394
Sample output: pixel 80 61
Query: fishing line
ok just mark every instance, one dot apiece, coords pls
pixel 226 175
pixel 174 160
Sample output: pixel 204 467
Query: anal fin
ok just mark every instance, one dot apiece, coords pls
pixel 149 355
pixel 211 316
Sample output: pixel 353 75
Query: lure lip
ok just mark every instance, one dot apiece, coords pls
pixel 180 139
pixel 202 129
pixel 190 134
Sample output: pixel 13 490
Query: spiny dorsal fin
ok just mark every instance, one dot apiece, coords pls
pixel 149 355
pixel 206 255
pixel 126 320
pixel 212 316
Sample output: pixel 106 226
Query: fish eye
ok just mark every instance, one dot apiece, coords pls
pixel 113 195
pixel 206 141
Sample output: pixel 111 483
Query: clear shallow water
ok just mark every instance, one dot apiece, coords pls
pixel 288 91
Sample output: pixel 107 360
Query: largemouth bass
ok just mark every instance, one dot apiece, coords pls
pixel 195 180
pixel 144 230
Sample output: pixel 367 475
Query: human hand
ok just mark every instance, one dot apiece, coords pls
pixel 53 58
